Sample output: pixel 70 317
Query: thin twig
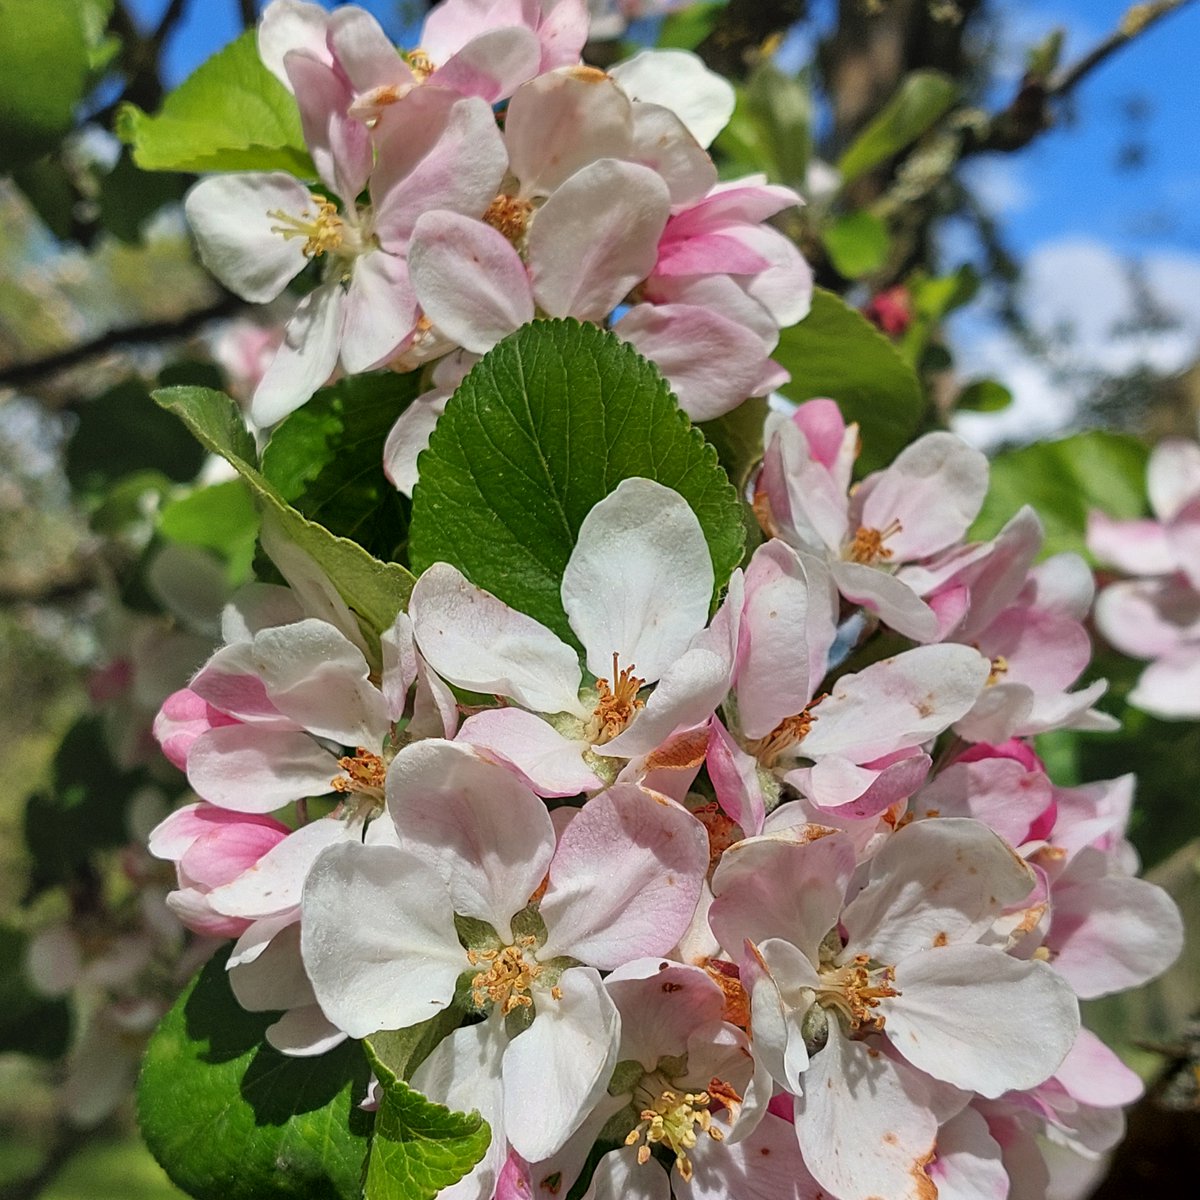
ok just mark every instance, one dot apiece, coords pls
pixel 246 9
pixel 21 375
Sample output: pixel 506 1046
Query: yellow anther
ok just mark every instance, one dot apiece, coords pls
pixel 324 233
pixel 867 545
pixel 618 702
pixel 999 669
pixel 508 977
pixel 510 216
pixel 672 1120
pixel 789 732
pixel 855 990
pixel 420 64
pixel 365 772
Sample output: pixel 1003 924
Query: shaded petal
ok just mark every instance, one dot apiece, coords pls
pixel 619 1176
pixel 662 143
pixel 381 311
pixel 492 65
pixel 258 770
pixel 544 760
pixel 968 1164
pixel 890 598
pixel 679 80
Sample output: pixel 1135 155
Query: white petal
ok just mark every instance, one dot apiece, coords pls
pixel 619 1176
pixel 662 143
pixel 378 939
pixel 639 581
pixel 475 641
pixel 680 81
pixel 968 1164
pixel 304 1032
pixel 235 232
pixel 547 762
pixel 257 771
pixel 559 1067
pixel 381 311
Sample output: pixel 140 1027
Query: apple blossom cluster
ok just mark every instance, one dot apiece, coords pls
pixel 1156 614
pixel 724 896
pixel 488 176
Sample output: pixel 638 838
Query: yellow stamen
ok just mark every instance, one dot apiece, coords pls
pixel 789 732
pixel 420 64
pixel 999 669
pixel 324 233
pixel 508 977
pixel 855 991
pixel 670 1119
pixel 510 216
pixel 867 546
pixel 618 702
pixel 365 772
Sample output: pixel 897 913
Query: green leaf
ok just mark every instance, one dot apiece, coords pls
pixel 326 459
pixel 920 101
pixel 229 1118
pixel 858 244
pixel 129 197
pixel 984 395
pixel 29 1022
pixel 232 114
pixel 1064 480
pixel 376 591
pixel 738 438
pixel 46 71
pixel 122 432
pixel 543 428
pixel 836 352
pixel 687 29
pixel 771 127
pixel 47 186
pixel 221 517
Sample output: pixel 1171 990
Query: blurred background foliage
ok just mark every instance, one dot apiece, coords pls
pixel 878 111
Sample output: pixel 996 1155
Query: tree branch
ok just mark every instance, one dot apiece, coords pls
pixel 21 375
pixel 248 15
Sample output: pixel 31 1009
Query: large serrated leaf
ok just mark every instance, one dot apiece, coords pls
pixel 228 1118
pixel 326 459
pixel 836 352
pixel 231 114
pixel 375 590
pixel 544 427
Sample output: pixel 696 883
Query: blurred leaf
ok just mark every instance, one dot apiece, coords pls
pixel 542 429
pixel 738 438
pixel 376 591
pixel 48 189
pixel 1042 60
pixel 231 114
pixel 129 501
pixel 326 459
pixel 222 518
pixel 771 127
pixel 46 70
pixel 920 101
pixel 1064 480
pixel 30 1023
pixel 836 352
pixel 129 197
pixel 229 1118
pixel 685 30
pixel 984 395
pixel 931 301
pixel 857 244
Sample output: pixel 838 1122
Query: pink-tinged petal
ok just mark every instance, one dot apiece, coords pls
pixel 789 885
pixel 712 253
pixel 562 31
pixel 476 823
pixel 625 878
pixel 340 145
pixel 979 1019
pixel 1170 688
pixel 556 1071
pixel 788 628
pixel 475 641
pixel 711 363
pixel 1183 535
pixel 463 1073
pixel 1149 618
pixel 491 66
pixel 320 680
pixel 408 437
pixel 559 123
pixel 734 776
pixel 866 1123
pixel 275 978
pixel 236 233
pixel 934 489
pixel 831 442
pixel 889 598
pixel 454 23
pixel 172 837
pixel 1110 932
pixel 1173 476
pixel 304 1032
pixel 806 499
pixel 461 171
pixel 596 237
pixel 639 580
pixel 273 884
pixel 899 702
pixel 1092 1074
pixel 378 939
pixel 191 907
pixel 661 1005
pixel 363 51
pixel 859 793
pixel 1138 547
pixel 619 1176
pixel 686 696
pixel 542 758
pixel 1000 792
pixel 257 771
pixel 1044 649
pixel 785 288
pixel 662 143
pixel 969 1165
pixel 747 201
pixel 680 81
pixel 933 883
pixel 470 281
pixel 306 358
pixel 381 310
pixel 399 654
pixel 719 294
pixel 227 849
pixel 435 708
pixel 288 25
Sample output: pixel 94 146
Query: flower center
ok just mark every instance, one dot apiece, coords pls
pixel 999 669
pixel 854 990
pixel 618 702
pixel 365 773
pixel 788 733
pixel 674 1120
pixel 510 216
pixel 420 64
pixel 867 546
pixel 507 978
pixel 324 233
